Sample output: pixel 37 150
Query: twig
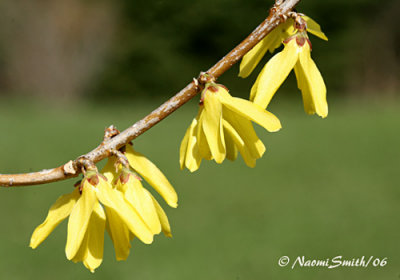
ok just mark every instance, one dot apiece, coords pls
pixel 72 168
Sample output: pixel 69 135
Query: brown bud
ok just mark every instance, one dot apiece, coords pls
pixel 124 177
pixel 93 180
pixel 212 88
pixel 300 40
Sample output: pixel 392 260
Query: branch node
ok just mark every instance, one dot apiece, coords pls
pixel 110 132
pixel 86 165
pixel 121 158
pixel 205 78
pixel 299 22
pixel 278 10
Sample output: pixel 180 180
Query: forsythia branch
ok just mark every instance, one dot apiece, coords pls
pixel 278 14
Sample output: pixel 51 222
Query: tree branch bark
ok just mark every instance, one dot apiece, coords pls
pixel 72 168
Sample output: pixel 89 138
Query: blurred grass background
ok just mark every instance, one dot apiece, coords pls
pixel 324 188
pixel 70 68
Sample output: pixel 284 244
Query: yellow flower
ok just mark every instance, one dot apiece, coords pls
pixel 296 54
pixel 129 185
pixel 223 127
pixel 273 40
pixel 87 219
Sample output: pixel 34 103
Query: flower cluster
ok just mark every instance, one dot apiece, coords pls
pixel 223 127
pixel 295 55
pixel 115 201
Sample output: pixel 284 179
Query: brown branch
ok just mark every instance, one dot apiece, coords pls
pixel 72 169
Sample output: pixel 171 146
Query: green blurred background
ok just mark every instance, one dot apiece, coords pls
pixel 324 188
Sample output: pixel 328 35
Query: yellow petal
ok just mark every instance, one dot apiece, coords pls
pixel 274 73
pixel 57 213
pixel 231 149
pixel 114 199
pixel 95 239
pixel 246 131
pixel 81 254
pixel 189 151
pixel 202 144
pixel 251 111
pixel 314 28
pixel 193 158
pixel 315 91
pixel 109 169
pixel 152 175
pixel 253 57
pixel 184 144
pixel 212 126
pixel 162 216
pixel 79 219
pixel 302 84
pixel 254 88
pixel 244 151
pixel 143 204
pixel 119 234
